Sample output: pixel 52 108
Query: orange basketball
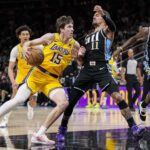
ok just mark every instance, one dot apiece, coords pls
pixel 36 57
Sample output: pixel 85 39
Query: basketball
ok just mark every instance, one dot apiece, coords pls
pixel 36 57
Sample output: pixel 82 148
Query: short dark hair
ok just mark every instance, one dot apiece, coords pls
pixel 107 14
pixel 23 28
pixel 62 21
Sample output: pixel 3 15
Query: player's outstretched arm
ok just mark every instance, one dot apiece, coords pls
pixel 44 40
pixel 141 36
pixel 111 25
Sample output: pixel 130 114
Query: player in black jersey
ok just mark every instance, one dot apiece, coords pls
pixel 95 70
pixel 142 36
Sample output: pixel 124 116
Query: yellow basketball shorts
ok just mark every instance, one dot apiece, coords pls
pixel 39 81
pixel 20 77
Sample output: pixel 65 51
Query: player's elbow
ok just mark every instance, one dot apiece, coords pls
pixel 10 69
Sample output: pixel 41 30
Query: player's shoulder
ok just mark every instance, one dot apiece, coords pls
pixel 48 36
pixel 15 48
pixel 14 53
pixel 76 44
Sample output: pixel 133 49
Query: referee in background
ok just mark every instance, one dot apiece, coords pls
pixel 133 78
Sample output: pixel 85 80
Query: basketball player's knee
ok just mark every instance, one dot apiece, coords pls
pixel 117 97
pixel 63 104
pixel 19 100
pixel 75 94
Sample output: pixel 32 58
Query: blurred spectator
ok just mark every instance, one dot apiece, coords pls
pixel 4 89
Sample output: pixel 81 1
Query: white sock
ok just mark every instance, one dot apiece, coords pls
pixel 41 131
pixel 29 106
pixel 104 100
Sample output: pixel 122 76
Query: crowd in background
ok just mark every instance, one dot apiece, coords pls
pixel 40 15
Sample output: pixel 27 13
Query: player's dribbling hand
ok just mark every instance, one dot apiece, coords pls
pixel 81 51
pixel 98 8
pixel 26 52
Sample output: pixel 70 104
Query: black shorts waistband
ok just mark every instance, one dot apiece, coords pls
pixel 45 71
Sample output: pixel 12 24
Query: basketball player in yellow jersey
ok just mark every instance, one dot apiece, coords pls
pixel 23 34
pixel 58 51
pixel 116 73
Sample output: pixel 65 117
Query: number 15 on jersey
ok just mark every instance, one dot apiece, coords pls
pixel 56 58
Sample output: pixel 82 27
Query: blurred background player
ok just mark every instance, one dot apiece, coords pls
pixel 146 73
pixel 5 89
pixel 23 33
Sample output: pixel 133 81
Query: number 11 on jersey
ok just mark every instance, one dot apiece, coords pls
pixel 95 45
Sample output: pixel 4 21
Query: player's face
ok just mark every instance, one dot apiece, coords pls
pixel 24 36
pixel 97 19
pixel 130 53
pixel 68 30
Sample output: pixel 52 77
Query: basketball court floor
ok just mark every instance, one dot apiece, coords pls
pixel 89 129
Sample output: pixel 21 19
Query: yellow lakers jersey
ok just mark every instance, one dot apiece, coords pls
pixel 22 66
pixel 57 55
pixel 111 63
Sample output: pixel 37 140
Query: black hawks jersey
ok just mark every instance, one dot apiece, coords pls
pixel 146 61
pixel 98 47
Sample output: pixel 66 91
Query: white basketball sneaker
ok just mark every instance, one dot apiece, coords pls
pixel 41 139
pixel 3 123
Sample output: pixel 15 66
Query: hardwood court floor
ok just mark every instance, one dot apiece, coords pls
pixel 89 129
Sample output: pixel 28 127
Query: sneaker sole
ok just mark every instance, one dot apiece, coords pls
pixel 43 143
pixel 3 126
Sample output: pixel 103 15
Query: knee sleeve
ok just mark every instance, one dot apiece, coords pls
pixel 23 94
